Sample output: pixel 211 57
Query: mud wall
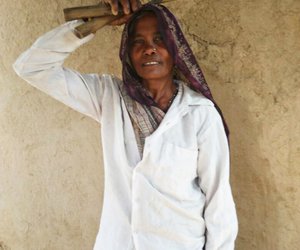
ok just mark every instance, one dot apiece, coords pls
pixel 51 174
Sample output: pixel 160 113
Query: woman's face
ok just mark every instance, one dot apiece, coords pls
pixel 148 53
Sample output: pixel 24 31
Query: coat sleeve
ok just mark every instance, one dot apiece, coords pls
pixel 42 66
pixel 213 171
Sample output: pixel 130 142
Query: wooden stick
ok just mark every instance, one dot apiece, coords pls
pixel 98 15
pixel 87 12
pixel 98 10
pixel 92 26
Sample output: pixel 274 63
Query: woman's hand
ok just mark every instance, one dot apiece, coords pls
pixel 128 7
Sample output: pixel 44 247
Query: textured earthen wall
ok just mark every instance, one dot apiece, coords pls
pixel 51 174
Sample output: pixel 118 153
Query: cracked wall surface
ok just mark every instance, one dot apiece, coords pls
pixel 51 174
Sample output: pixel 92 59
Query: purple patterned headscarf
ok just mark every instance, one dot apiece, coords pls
pixel 186 66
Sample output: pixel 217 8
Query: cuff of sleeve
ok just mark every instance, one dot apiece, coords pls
pixel 79 41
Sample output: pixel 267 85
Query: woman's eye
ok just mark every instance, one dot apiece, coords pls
pixel 137 41
pixel 158 39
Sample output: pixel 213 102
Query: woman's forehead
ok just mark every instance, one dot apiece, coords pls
pixel 142 20
pixel 146 24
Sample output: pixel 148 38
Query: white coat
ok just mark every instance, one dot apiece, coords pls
pixel 178 196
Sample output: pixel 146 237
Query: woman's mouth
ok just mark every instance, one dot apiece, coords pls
pixel 150 63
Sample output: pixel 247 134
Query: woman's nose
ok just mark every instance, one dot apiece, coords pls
pixel 150 49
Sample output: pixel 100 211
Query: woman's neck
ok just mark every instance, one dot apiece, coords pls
pixel 161 92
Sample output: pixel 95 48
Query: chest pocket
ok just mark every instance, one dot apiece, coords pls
pixel 176 171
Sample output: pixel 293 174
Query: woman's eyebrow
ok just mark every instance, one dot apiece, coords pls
pixel 137 35
pixel 141 35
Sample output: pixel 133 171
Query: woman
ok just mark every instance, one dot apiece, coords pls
pixel 164 144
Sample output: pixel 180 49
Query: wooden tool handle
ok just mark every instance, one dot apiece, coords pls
pixel 98 10
pixel 87 12
pixel 92 26
pixel 97 15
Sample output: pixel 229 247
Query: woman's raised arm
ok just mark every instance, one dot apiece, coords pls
pixel 42 66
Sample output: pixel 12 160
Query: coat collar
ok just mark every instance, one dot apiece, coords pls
pixel 192 98
pixel 181 106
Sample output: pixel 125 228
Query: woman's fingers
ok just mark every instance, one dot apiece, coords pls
pixel 135 4
pixel 126 6
pixel 130 5
pixel 114 5
pixel 120 20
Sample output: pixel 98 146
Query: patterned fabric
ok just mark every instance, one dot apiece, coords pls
pixel 145 119
pixel 186 66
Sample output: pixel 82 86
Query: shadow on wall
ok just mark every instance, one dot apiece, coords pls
pixel 252 181
pixel 225 39
pixel 3 246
